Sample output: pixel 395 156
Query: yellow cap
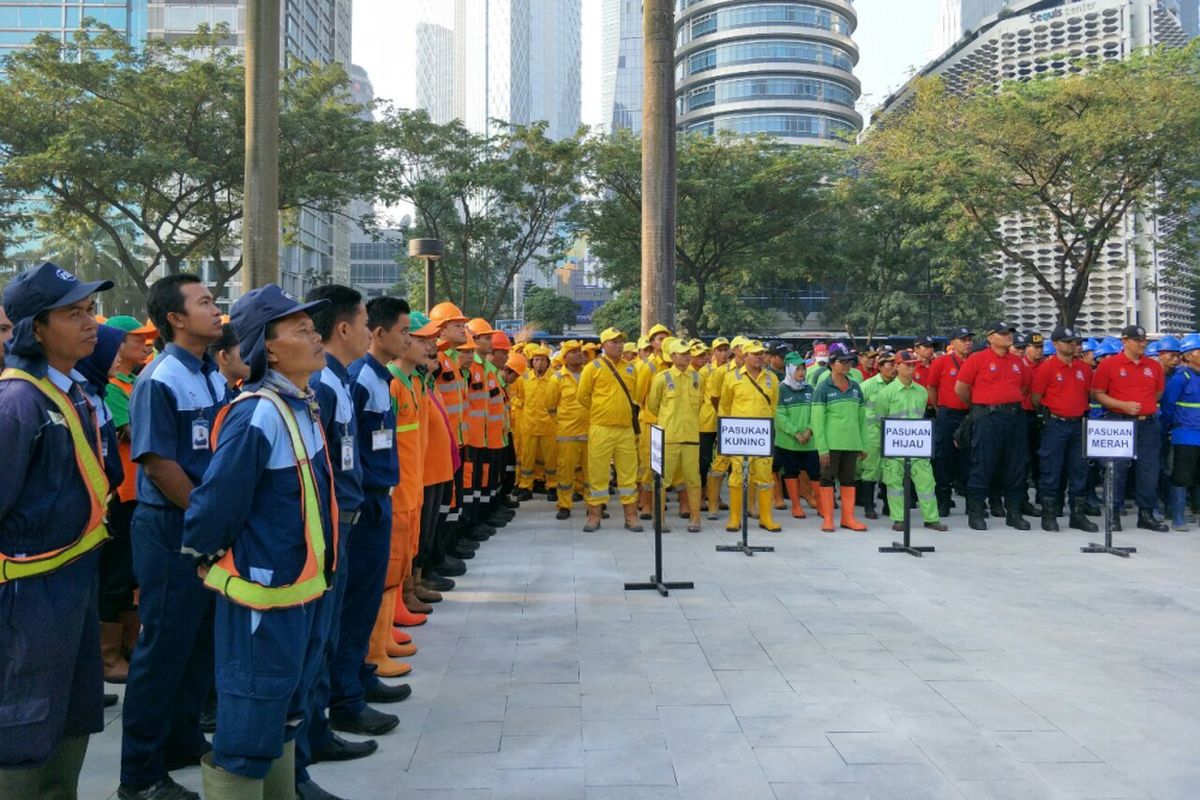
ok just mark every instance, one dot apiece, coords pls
pixel 739 341
pixel 590 347
pixel 609 334
pixel 537 350
pixel 643 343
pixel 657 329
pixel 670 340
pixel 753 347
pixel 698 348
pixel 629 347
pixel 720 341
pixel 569 345
pixel 677 347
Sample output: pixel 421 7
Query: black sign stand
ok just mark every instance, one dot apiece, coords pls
pixel 1107 547
pixel 743 546
pixel 656 582
pixel 907 547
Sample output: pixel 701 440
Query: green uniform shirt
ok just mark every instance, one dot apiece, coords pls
pixel 901 402
pixel 871 388
pixel 821 374
pixel 838 418
pixel 793 415
pixel 118 401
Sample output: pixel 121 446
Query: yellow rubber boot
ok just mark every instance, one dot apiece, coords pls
pixel 734 523
pixel 714 496
pixel 693 495
pixel 766 499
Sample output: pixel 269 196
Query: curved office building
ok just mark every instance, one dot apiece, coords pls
pixel 784 69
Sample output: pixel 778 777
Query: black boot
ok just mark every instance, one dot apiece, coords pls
pixel 866 491
pixel 1147 521
pixel 1079 520
pixel 1029 509
pixel 976 515
pixel 997 507
pixel 1092 509
pixel 1013 519
pixel 1049 514
pixel 944 502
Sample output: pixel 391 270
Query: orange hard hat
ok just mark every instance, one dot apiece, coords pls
pixel 500 341
pixel 446 312
pixel 467 345
pixel 517 363
pixel 480 327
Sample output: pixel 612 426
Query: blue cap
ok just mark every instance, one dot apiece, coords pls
pixel 1190 342
pixel 1168 344
pixel 250 316
pixel 1048 348
pixel 1152 349
pixel 36 290
pixel 1090 345
pixel 1109 347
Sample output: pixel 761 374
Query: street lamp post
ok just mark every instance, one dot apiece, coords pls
pixel 429 251
pixel 658 163
pixel 260 221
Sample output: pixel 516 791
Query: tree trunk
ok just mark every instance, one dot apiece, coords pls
pixel 260 226
pixel 658 163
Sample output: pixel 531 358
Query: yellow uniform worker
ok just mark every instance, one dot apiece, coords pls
pixel 654 362
pixel 572 426
pixel 675 398
pixel 750 392
pixel 606 393
pixel 720 463
pixel 539 429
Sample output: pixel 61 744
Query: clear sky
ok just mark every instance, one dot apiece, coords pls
pixel 895 37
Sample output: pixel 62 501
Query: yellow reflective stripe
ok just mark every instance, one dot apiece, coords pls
pixel 412 426
pixel 245 592
pixel 1182 404
pixel 94 478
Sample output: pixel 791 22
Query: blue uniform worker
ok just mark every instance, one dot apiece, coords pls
pixel 263 522
pixel 95 369
pixel 370 539
pixel 52 494
pixel 175 403
pixel 343 329
pixel 1181 418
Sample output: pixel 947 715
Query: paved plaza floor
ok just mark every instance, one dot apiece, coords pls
pixel 1005 666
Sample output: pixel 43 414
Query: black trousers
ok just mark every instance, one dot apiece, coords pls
pixel 950 464
pixel 433 503
pixel 999 443
pixel 708 444
pixel 116 563
pixel 841 468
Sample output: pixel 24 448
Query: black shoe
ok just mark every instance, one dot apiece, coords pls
pixel 997 510
pixel 508 502
pixel 208 721
pixel 1079 521
pixel 439 583
pixel 1030 510
pixel 563 513
pixel 1148 522
pixel 339 749
pixel 944 510
pixel 1093 510
pixel 470 544
pixel 871 513
pixel 174 761
pixel 464 553
pixel 577 497
pixel 523 495
pixel 1116 521
pixel 310 791
pixel 497 522
pixel 1050 523
pixel 166 789
pixel 367 723
pixel 111 700
pixel 382 694
pixel 977 522
pixel 484 528
pixel 1015 520
pixel 452 566
pixel 476 535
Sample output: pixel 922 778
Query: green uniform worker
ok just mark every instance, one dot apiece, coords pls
pixel 838 422
pixel 870 469
pixel 904 398
pixel 674 399
pixel 795 450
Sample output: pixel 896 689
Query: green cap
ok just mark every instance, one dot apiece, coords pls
pixel 793 359
pixel 127 324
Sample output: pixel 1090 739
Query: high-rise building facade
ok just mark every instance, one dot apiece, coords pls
pixel 968 15
pixel 1138 279
pixel 621 65
pixel 21 21
pixel 435 71
pixel 784 69
pixel 517 61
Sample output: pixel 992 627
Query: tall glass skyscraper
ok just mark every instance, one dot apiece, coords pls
pixel 435 71
pixel 621 65
pixel 785 69
pixel 21 21
pixel 517 61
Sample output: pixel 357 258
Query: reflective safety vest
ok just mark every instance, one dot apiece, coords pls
pixel 224 577
pixel 91 471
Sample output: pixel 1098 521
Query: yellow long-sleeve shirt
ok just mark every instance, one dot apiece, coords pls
pixel 571 416
pixel 537 399
pixel 601 395
pixel 675 398
pixel 741 398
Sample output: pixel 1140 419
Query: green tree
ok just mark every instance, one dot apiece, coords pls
pixel 738 199
pixel 152 136
pixel 89 252
pixel 549 311
pixel 623 312
pixel 1070 157
pixel 497 202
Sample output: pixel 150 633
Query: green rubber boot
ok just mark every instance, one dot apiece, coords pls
pixel 280 783
pixel 221 784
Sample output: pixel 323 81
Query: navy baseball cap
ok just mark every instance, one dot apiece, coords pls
pixel 923 341
pixel 1128 332
pixel 959 333
pixel 999 327
pixel 45 287
pixel 250 316
pixel 1020 341
pixel 1064 334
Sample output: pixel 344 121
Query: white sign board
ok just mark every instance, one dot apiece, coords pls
pixel 746 436
pixel 907 438
pixel 656 450
pixel 1110 438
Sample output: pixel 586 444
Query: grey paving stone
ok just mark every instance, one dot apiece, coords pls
pixel 876 748
pixel 646 767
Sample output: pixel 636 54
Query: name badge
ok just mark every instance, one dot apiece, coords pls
pixel 200 434
pixel 104 450
pixel 347 453
pixel 381 440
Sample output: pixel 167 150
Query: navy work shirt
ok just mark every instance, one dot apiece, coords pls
pixel 332 387
pixel 370 389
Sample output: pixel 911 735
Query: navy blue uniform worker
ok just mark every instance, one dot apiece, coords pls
pixel 52 495
pixel 342 326
pixel 175 403
pixel 95 370
pixel 263 524
pixel 370 540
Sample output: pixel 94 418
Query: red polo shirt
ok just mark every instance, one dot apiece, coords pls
pixel 1122 379
pixel 1063 387
pixel 995 379
pixel 943 374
